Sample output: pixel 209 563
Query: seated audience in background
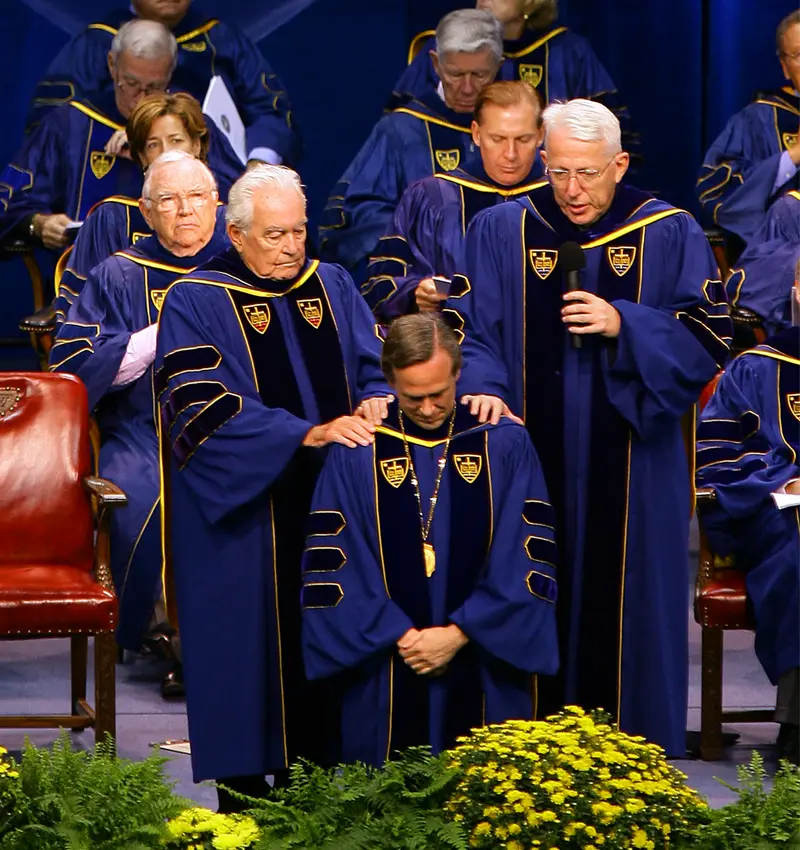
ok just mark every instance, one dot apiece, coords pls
pixel 63 168
pixel 429 224
pixel 602 375
pixel 109 341
pixel 756 157
pixel 160 123
pixel 263 357
pixel 207 47
pixel 429 575
pixel 431 133
pixel 763 277
pixel 558 63
pixel 747 450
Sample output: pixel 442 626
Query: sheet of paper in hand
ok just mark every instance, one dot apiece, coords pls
pixel 219 106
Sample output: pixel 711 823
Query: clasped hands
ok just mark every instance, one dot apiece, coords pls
pixel 428 651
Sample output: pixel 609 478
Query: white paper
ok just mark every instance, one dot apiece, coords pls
pixel 219 106
pixel 73 227
pixel 182 747
pixel 785 500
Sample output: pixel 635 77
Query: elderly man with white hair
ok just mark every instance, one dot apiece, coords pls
pixel 109 341
pixel 70 161
pixel 595 311
pixel 429 134
pixel 264 358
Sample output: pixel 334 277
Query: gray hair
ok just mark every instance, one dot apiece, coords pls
pixel 468 31
pixel 146 40
pixel 168 158
pixel 240 197
pixel 585 120
pixel 789 21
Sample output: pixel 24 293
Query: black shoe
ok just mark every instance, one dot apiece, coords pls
pixel 172 684
pixel 788 743
pixel 251 786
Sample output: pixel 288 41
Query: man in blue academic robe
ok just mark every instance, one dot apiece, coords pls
pixel 263 358
pixel 756 157
pixel 558 63
pixel 109 341
pixel 602 376
pixel 63 169
pixel 429 224
pixel 429 575
pixel 747 448
pixel 762 279
pixel 207 47
pixel 431 133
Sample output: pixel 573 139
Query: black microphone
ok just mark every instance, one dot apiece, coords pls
pixel 571 259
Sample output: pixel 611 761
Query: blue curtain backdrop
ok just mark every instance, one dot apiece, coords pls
pixel 683 65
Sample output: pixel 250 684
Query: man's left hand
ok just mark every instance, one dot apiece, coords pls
pixel 435 649
pixel 587 314
pixel 375 410
pixel 489 408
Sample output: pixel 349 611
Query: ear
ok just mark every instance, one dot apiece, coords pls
pixel 623 161
pixel 435 61
pixel 476 134
pixel 110 60
pixel 146 213
pixel 235 235
pixel 543 156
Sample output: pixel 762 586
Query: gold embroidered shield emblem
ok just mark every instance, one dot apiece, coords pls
pixel 157 297
pixel 395 470
pixel 531 74
pixel 543 262
pixel 101 163
pixel 448 160
pixel 789 140
pixel 793 400
pixel 311 310
pixel 621 259
pixel 9 399
pixel 258 316
pixel 468 466
pixel 194 46
pixel 135 237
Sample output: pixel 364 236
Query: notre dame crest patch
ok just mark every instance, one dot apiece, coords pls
pixel 395 470
pixel 448 160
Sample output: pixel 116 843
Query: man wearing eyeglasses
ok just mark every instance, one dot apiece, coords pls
pixel 755 159
pixel 109 341
pixel 69 162
pixel 601 364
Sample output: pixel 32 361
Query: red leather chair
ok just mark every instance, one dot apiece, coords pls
pixel 720 605
pixel 55 579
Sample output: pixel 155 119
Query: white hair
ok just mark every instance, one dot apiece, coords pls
pixel 586 121
pixel 468 31
pixel 144 39
pixel 168 158
pixel 271 177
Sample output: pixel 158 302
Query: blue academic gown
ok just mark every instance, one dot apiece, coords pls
pixel 735 186
pixel 764 274
pixel 121 296
pixel 206 47
pixel 559 63
pixel 112 225
pixel 606 422
pixel 747 448
pixel 365 584
pixel 245 367
pixel 415 141
pixel 427 233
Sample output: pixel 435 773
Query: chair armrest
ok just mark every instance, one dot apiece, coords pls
pixel 715 236
pixel 15 246
pixel 108 494
pixel 705 495
pixel 41 322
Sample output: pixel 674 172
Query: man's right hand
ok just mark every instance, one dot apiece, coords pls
pixel 427 298
pixel 51 229
pixel 350 431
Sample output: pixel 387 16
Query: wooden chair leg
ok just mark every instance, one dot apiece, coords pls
pixel 105 686
pixel 711 695
pixel 78 660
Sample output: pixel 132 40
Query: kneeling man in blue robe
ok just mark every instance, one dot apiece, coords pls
pixel 747 451
pixel 429 576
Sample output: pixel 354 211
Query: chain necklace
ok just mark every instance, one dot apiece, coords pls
pixel 428 552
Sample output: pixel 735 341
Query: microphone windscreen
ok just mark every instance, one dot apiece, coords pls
pixel 571 257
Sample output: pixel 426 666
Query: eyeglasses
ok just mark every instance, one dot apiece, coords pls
pixel 794 58
pixel 134 87
pixel 582 175
pixel 170 203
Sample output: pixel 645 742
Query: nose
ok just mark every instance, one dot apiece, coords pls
pixel 426 407
pixel 291 245
pixel 511 150
pixel 573 186
pixel 467 84
pixel 184 207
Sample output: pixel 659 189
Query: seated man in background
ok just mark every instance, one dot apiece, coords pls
pixel 109 341
pixel 429 224
pixel 762 279
pixel 429 134
pixel 160 123
pixel 748 441
pixel 63 169
pixel 429 575
pixel 208 47
pixel 756 157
